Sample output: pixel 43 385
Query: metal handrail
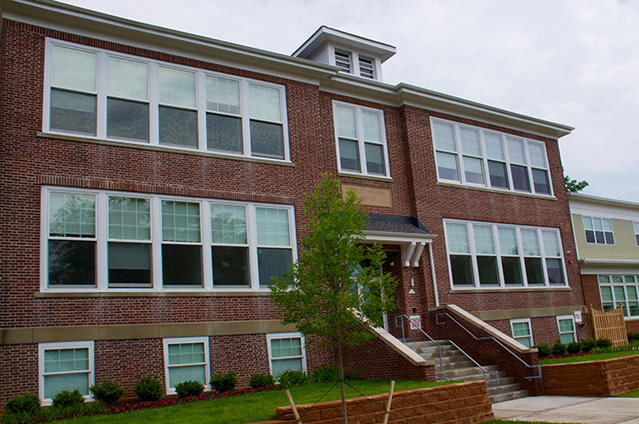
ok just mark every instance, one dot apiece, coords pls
pixel 439 346
pixel 540 376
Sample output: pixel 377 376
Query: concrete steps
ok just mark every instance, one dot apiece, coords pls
pixel 457 366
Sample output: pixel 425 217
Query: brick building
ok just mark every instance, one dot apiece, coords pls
pixel 153 182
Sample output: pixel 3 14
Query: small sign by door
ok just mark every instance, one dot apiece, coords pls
pixel 415 322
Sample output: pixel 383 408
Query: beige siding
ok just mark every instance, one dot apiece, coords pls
pixel 625 246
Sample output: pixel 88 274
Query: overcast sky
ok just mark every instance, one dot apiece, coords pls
pixel 574 62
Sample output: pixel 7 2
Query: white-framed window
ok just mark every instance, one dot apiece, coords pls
pixel 186 359
pixel 366 67
pixel 104 240
pixel 522 331
pixel 478 157
pixel 620 291
pixel 635 225
pixel 97 93
pixel 360 135
pixel 355 63
pixel 598 230
pixel 343 61
pixel 286 351
pixel 566 326
pixel 485 255
pixel 65 366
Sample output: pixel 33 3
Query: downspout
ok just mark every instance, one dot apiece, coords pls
pixel 432 272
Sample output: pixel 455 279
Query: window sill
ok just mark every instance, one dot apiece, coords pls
pixel 155 293
pixel 156 148
pixel 510 290
pixel 493 190
pixel 365 177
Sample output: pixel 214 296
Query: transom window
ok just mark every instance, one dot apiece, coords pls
pixel 522 331
pixel 65 366
pixel 113 240
pixel 484 255
pixel 286 352
pixel 186 359
pixel 566 326
pixel 107 95
pixel 361 140
pixel 477 157
pixel 620 291
pixel 598 230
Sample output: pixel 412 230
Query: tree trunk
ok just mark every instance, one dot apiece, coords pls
pixel 341 380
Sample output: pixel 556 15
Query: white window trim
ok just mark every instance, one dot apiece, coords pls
pixel 183 340
pixel 519 321
pixel 502 285
pixel 156 241
pixel 154 103
pixel 484 158
pixel 612 230
pixel 611 284
pixel 360 140
pixel 277 336
pixel 42 347
pixel 574 327
pixel 354 58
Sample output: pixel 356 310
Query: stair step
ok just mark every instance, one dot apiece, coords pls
pixel 462 373
pixel 508 396
pixel 503 388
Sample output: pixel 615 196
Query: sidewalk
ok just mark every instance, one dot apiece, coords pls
pixel 568 409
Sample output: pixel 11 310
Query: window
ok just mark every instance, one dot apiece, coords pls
pixel 186 359
pixel 286 351
pixel 97 240
pixel 598 230
pixel 343 61
pixel 620 291
pixel 522 331
pixel 65 366
pixel 367 67
pixel 636 227
pixel 477 157
pixel 566 325
pixel 484 255
pixel 361 140
pixel 103 94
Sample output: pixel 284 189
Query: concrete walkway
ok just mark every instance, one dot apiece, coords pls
pixel 568 409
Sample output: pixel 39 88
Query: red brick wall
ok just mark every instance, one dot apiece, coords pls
pixel 464 403
pixel 18 371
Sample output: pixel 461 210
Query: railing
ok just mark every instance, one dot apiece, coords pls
pixel 539 376
pixel 439 346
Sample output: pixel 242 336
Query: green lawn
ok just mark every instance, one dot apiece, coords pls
pixel 586 358
pixel 631 394
pixel 252 407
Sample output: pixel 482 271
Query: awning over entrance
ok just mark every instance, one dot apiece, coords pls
pixel 405 231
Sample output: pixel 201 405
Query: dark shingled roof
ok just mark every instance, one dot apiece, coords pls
pixel 395 224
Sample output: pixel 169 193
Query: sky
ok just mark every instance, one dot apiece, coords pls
pixel 574 62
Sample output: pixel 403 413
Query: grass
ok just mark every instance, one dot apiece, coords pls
pixel 634 394
pixel 586 358
pixel 251 407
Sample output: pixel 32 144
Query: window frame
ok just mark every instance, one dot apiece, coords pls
pixel 627 304
pixel 603 230
pixel 278 336
pixel 460 155
pixel 361 142
pixel 530 333
pixel 574 328
pixel 43 347
pixel 155 203
pixel 474 266
pixel 635 226
pixel 186 340
pixel 154 103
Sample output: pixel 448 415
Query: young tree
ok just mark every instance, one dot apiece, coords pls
pixel 335 290
pixel 574 186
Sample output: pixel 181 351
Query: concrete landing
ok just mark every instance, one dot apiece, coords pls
pixel 569 409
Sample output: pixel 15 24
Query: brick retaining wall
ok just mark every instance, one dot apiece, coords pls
pixel 596 378
pixel 463 403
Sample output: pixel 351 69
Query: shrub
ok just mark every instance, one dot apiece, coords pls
pixel 107 392
pixel 633 337
pixel 223 383
pixel 325 374
pixel 65 399
pixel 189 388
pixel 543 350
pixel 574 347
pixel 290 378
pixel 587 345
pixel 604 343
pixel 149 389
pixel 28 403
pixel 259 381
pixel 558 349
